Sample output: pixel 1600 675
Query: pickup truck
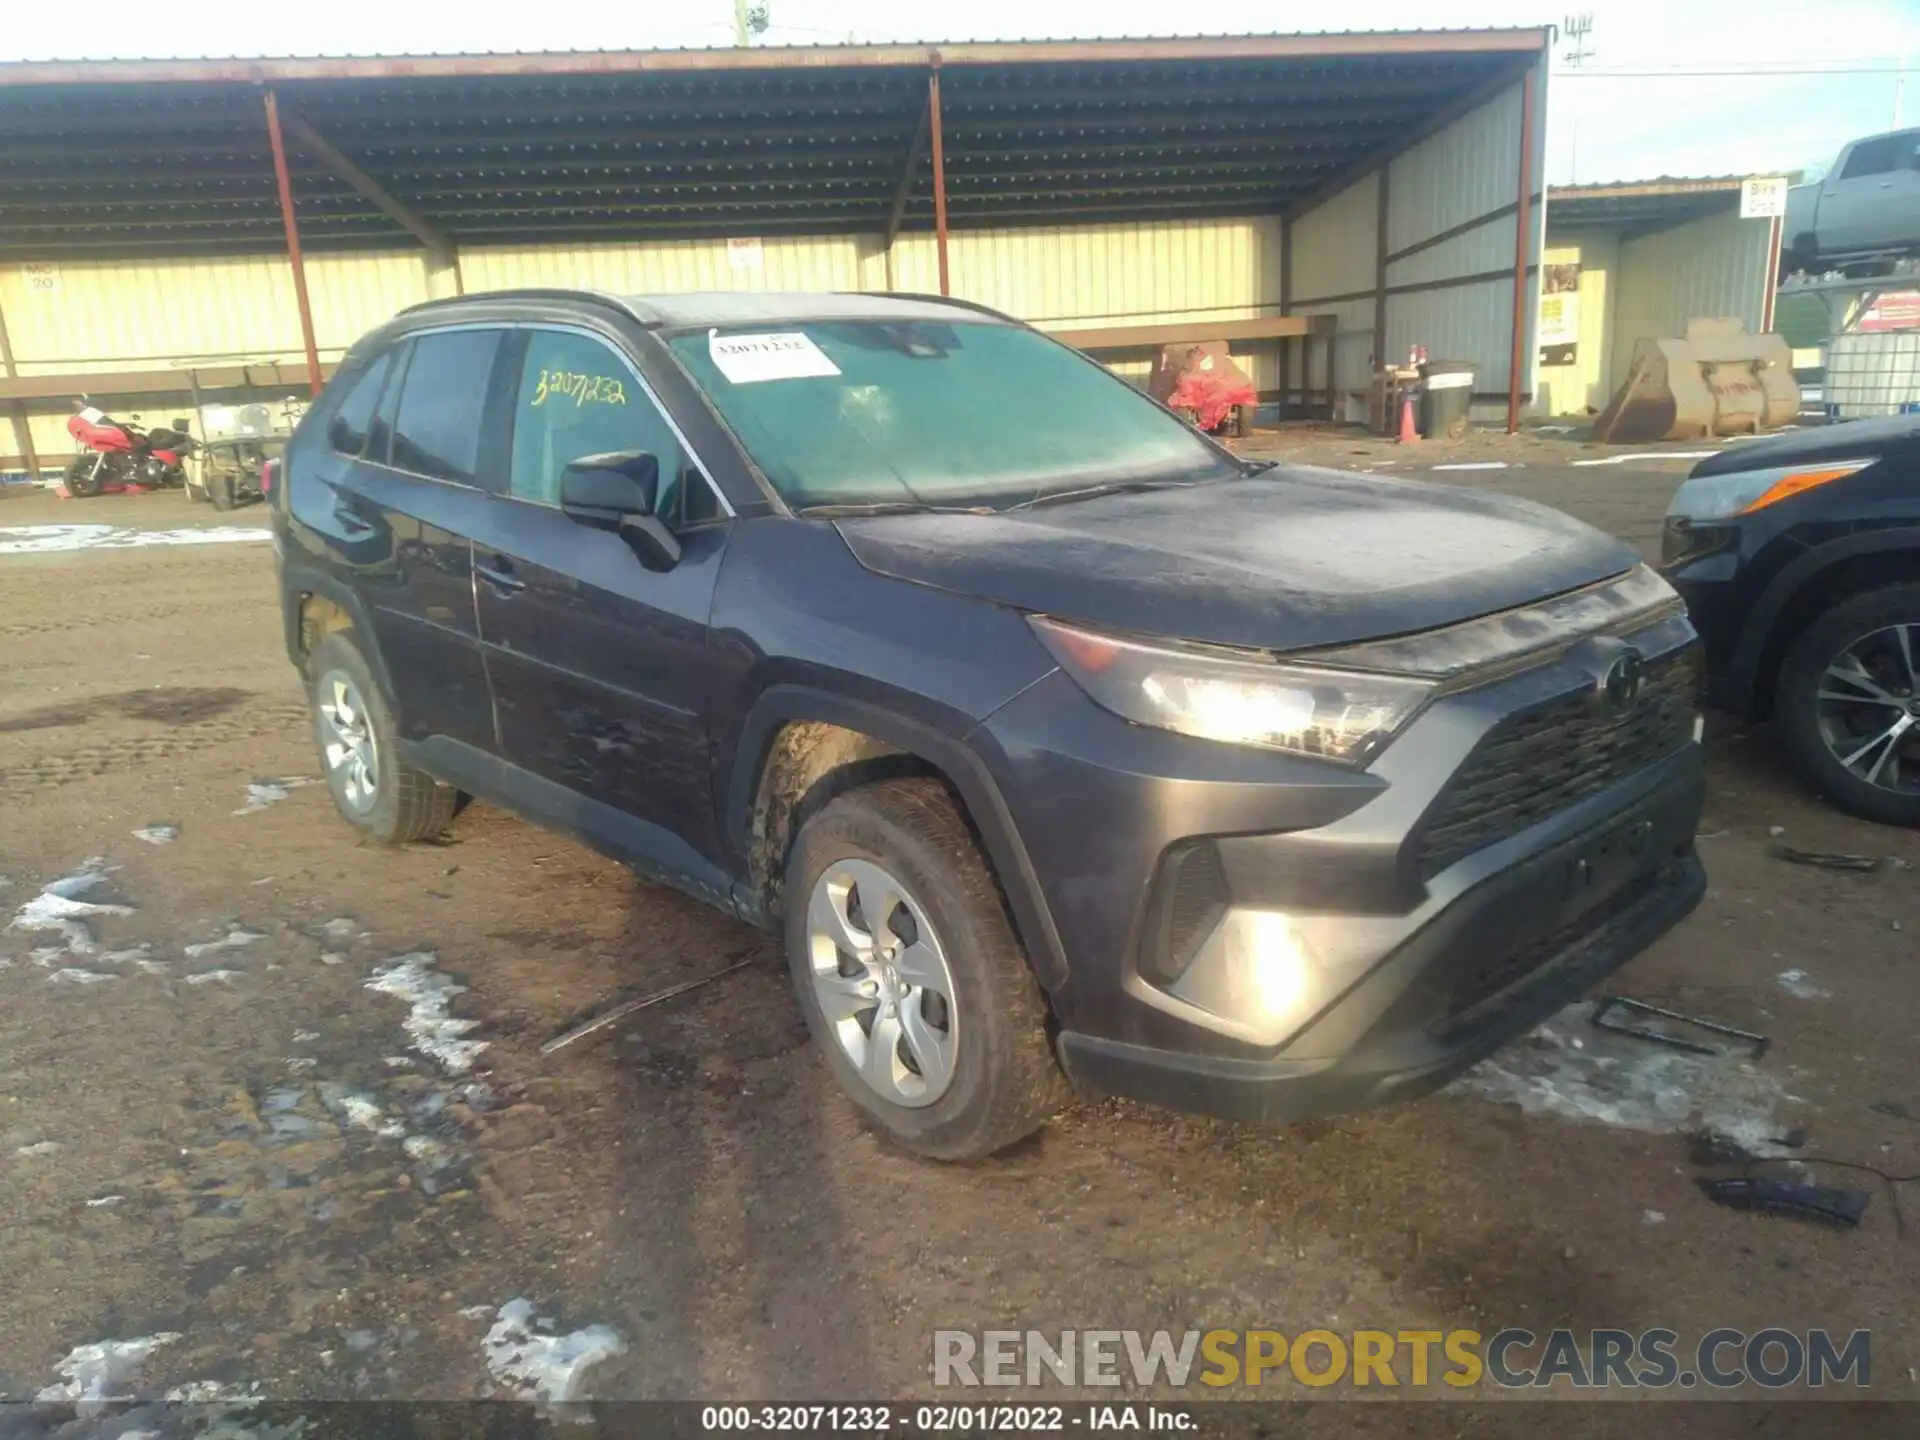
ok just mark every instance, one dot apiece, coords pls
pixel 1867 207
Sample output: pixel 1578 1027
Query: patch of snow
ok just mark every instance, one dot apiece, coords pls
pixel 120 957
pixel 42 1147
pixel 430 1024
pixel 332 958
pixel 155 967
pixel 1799 984
pixel 96 1203
pixel 305 1037
pixel 1652 1217
pixel 158 834
pixel 59 539
pixel 360 1111
pixel 475 1312
pixel 547 1368
pixel 428 1151
pixel 59 908
pixel 1475 465
pixel 72 975
pixel 1599 1077
pixel 341 928
pixel 209 1392
pixel 234 939
pixel 300 1064
pixel 262 793
pixel 207 977
pixel 101 1372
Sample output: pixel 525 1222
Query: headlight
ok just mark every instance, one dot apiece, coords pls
pixel 1238 697
pixel 1721 497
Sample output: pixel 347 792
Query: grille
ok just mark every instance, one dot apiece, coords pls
pixel 1538 762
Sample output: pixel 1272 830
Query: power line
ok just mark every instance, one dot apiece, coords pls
pixel 1581 73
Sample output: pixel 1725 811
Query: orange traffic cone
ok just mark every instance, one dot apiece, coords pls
pixel 1409 433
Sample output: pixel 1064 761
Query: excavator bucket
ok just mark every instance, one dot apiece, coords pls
pixel 1718 380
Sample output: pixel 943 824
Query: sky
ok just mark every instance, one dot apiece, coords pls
pixel 1671 87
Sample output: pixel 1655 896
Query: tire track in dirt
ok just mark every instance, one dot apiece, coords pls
pixel 115 756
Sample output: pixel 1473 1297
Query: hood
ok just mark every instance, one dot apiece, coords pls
pixel 1291 559
pixel 1848 440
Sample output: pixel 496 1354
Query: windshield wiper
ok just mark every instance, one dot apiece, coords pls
pixel 1258 467
pixel 887 507
pixel 1091 492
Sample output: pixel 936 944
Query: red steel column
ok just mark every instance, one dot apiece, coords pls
pixel 293 241
pixel 1522 249
pixel 939 174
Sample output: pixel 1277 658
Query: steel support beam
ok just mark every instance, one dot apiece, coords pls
pixel 403 214
pixel 1522 250
pixel 939 173
pixel 916 153
pixel 278 142
pixel 22 425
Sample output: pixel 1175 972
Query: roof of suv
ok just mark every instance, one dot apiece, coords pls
pixel 734 307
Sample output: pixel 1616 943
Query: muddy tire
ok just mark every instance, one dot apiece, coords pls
pixel 375 790
pixel 1875 636
pixel 931 1021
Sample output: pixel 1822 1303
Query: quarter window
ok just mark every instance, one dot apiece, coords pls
pixel 578 397
pixel 437 430
pixel 347 431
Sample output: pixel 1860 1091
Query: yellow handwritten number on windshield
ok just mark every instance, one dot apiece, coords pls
pixel 581 389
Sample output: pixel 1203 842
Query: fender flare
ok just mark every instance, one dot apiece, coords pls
pixel 780 705
pixel 1800 572
pixel 297 581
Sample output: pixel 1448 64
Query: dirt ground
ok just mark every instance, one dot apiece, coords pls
pixel 321 1189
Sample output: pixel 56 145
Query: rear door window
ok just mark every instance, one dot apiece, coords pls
pixel 437 429
pixel 347 431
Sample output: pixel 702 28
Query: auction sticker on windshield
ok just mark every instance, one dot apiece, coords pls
pixel 749 359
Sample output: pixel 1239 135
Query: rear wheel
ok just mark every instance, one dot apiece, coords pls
pixel 375 790
pixel 911 979
pixel 1848 704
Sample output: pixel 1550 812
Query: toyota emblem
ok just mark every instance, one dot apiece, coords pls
pixel 1620 686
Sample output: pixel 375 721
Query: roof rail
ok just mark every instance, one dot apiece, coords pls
pixel 532 292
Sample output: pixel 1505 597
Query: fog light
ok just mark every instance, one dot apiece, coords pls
pixel 1275 962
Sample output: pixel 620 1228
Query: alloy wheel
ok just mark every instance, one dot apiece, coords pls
pixel 1868 709
pixel 882 981
pixel 347 743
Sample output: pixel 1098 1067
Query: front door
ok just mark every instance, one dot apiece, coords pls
pixel 601 669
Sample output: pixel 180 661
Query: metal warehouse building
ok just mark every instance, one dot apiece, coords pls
pixel 228 228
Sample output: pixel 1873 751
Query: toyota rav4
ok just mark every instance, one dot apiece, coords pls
pixel 1060 743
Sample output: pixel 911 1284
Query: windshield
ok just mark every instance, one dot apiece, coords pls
pixel 873 412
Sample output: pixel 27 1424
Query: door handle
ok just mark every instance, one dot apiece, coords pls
pixel 499 574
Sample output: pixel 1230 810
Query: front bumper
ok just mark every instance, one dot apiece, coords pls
pixel 1485 970
pixel 1341 941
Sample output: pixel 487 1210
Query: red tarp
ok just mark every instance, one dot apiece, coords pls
pixel 1201 378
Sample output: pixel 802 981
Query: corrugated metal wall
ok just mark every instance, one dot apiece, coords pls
pixel 1464 174
pixel 1711 267
pixel 160 313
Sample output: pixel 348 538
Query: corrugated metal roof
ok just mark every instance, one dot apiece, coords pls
pixel 138 156
pixel 1640 207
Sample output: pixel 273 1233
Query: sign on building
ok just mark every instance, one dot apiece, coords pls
pixel 743 252
pixel 42 279
pixel 1560 314
pixel 1762 197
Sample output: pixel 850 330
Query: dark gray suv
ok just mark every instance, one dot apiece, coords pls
pixel 1061 743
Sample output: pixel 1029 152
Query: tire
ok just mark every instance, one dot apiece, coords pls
pixel 220 491
pixel 1001 1080
pixel 83 477
pixel 1797 705
pixel 401 803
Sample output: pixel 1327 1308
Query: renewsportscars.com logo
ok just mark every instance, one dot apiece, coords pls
pixel 1513 1358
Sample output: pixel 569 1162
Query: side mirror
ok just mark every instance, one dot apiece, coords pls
pixel 617 491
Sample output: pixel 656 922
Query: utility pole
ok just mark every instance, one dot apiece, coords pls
pixel 1576 28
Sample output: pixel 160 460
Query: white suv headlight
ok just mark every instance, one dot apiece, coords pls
pixel 1239 697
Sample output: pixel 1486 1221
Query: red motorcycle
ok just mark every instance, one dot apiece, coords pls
pixel 117 455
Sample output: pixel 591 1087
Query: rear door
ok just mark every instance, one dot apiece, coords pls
pixel 601 669
pixel 407 510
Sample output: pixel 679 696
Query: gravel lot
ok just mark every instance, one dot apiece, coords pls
pixel 282 1098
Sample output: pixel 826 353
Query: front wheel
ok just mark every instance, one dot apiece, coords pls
pixel 83 477
pixel 909 974
pixel 375 790
pixel 1848 704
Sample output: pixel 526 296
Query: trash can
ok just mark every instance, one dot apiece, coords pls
pixel 1446 390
